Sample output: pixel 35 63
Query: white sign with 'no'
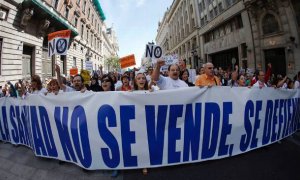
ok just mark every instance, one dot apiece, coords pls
pixel 58 42
pixel 154 52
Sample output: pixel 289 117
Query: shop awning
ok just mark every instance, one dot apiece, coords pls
pixel 53 14
pixel 99 9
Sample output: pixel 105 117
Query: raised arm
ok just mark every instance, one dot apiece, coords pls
pixel 280 83
pixel 156 71
pixel 61 85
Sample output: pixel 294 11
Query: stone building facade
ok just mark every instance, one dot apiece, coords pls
pixel 177 32
pixel 24 25
pixel 275 32
pixel 248 33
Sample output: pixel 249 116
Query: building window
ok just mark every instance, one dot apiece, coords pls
pixel 200 7
pixel 3 14
pixel 81 63
pixel 211 13
pixel 228 28
pixel 89 12
pixel 1 42
pixel 296 7
pixel 87 36
pixel 75 22
pixel 83 7
pixel 239 22
pixel 82 30
pixel 74 61
pixel 67 12
pixel 55 3
pixel 74 46
pixel 228 3
pixel 92 18
pixel 244 50
pixel 216 11
pixel 220 7
pixel 270 24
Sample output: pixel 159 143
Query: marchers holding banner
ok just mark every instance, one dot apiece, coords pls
pixel 129 130
pixel 58 42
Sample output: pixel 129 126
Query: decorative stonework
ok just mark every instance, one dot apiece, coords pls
pixel 258 7
pixel 25 17
pixel 77 12
pixel 43 26
pixel 83 20
pixel 88 26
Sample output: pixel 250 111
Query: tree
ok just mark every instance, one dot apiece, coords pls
pixel 112 63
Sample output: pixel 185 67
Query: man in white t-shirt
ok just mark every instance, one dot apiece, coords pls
pixel 170 82
pixel 261 80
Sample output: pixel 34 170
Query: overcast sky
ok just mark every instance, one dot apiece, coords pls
pixel 135 23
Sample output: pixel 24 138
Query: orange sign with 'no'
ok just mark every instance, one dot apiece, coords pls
pixel 127 61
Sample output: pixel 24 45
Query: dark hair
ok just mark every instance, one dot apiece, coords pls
pixel 82 80
pixel 64 80
pixel 125 76
pixel 37 79
pixel 135 86
pixel 112 87
pixel 181 73
pixel 173 65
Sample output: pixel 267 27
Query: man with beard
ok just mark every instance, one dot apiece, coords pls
pixel 78 82
pixel 170 82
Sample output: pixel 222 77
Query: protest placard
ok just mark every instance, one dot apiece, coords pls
pixel 127 61
pixel 58 42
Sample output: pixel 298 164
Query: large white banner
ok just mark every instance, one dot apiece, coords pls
pixel 128 130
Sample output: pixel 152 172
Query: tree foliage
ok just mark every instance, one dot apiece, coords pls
pixel 112 63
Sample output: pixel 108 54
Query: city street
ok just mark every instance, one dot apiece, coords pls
pixel 279 161
pixel 128 84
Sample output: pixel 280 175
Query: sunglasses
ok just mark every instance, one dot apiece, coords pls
pixel 210 67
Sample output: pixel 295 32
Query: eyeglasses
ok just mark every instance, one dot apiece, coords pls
pixel 210 67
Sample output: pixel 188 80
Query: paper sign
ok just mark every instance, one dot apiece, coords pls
pixel 127 61
pixel 153 51
pixel 89 65
pixel 73 71
pixel 86 76
pixel 58 42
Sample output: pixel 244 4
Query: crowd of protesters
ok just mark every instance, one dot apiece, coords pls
pixel 150 79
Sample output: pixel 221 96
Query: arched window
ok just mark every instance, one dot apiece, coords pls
pixel 270 24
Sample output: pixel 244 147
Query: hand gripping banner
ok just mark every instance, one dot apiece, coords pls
pixel 129 130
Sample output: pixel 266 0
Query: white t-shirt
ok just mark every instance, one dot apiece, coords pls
pixel 259 84
pixel 148 77
pixel 42 91
pixel 69 89
pixel 297 85
pixel 168 83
